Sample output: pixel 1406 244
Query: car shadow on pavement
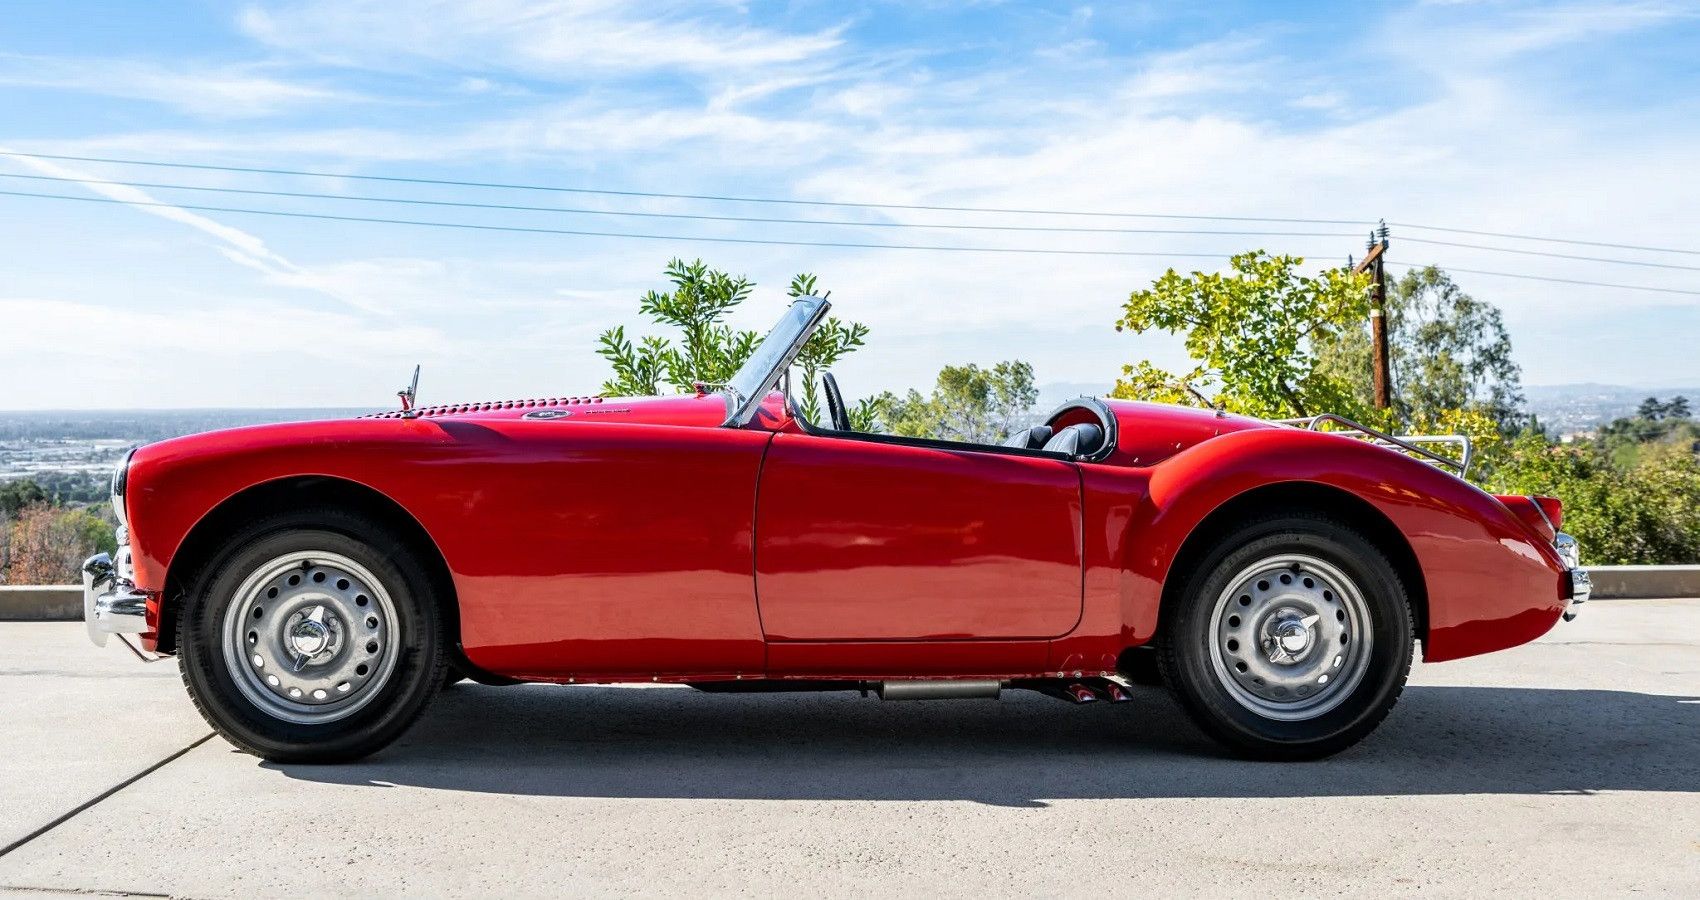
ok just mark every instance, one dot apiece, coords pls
pixel 1021 751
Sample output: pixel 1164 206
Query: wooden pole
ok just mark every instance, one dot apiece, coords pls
pixel 1378 330
pixel 1382 373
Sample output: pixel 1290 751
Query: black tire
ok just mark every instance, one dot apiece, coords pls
pixel 419 654
pixel 1188 653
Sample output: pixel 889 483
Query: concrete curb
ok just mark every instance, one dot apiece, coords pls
pixel 1644 582
pixel 40 603
pixel 64 603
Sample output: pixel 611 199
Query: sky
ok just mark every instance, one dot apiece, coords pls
pixel 1571 120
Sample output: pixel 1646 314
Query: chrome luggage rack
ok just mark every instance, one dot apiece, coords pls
pixel 1405 443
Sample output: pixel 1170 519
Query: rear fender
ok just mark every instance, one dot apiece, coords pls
pixel 1489 580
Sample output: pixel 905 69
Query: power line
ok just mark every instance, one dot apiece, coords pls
pixel 834 203
pixel 1624 287
pixel 309 195
pixel 1549 240
pixel 622 234
pixel 460 204
pixel 1598 259
pixel 667 196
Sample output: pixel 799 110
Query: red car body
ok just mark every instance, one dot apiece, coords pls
pixel 599 540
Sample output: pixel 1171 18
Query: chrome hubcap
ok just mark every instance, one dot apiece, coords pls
pixel 309 637
pixel 1290 637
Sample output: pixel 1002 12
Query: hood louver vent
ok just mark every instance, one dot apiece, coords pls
pixel 461 409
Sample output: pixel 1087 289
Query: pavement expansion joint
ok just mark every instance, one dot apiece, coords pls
pixel 98 798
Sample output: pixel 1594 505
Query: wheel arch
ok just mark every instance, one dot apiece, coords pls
pixel 1334 502
pixel 201 545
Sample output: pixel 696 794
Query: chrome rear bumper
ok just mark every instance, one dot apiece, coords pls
pixel 1581 585
pixel 111 603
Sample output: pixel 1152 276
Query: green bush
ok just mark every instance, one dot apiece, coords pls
pixel 1643 513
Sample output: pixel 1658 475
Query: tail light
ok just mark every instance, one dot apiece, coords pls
pixel 1543 514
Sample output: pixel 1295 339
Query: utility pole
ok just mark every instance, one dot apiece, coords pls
pixel 1374 261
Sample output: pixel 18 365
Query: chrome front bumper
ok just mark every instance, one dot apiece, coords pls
pixel 111 603
pixel 1581 585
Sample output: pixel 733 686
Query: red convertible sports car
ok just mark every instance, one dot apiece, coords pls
pixel 319 582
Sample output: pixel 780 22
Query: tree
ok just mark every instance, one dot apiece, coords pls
pixel 5 544
pixel 15 495
pixel 49 543
pixel 968 403
pixel 1647 512
pixel 710 351
pixel 1447 351
pixel 1253 332
pixel 1654 423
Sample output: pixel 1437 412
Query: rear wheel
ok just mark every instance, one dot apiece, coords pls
pixel 1291 639
pixel 314 637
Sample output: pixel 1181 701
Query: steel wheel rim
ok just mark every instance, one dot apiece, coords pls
pixel 1290 637
pixel 310 637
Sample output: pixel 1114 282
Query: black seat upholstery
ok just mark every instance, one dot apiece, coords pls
pixel 1076 440
pixel 1030 438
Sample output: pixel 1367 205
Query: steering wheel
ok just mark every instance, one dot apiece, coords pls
pixel 835 403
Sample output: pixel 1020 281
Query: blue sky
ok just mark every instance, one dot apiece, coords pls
pixel 1570 120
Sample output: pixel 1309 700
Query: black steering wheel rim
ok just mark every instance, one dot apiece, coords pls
pixel 835 403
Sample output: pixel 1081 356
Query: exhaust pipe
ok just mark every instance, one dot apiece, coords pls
pixel 954 689
pixel 1113 689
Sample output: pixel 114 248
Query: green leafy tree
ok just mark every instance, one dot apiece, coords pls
pixel 1252 332
pixel 968 403
pixel 1446 349
pixel 707 349
pixel 15 495
pixel 832 341
pixel 1645 513
pixel 1654 424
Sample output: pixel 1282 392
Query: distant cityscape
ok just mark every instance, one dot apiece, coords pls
pixel 71 452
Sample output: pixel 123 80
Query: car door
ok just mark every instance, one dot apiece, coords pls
pixel 885 539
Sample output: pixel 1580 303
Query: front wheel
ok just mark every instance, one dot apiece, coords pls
pixel 1291 639
pixel 313 638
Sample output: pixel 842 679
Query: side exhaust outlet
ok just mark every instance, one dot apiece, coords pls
pixel 956 689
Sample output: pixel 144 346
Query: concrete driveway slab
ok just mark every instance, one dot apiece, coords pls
pixel 1565 767
pixel 79 719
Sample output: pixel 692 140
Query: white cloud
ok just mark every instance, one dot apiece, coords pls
pixel 210 91
pixel 547 38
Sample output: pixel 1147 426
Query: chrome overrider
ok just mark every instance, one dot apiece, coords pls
pixel 111 603
pixel 1581 586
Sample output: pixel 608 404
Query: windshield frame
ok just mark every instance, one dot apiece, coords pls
pixel 741 405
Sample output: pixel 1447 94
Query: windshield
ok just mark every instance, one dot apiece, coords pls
pixel 759 373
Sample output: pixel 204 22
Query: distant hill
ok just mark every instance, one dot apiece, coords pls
pixel 1568 408
pixel 146 425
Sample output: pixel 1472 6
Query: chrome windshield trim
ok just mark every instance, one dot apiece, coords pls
pixel 742 407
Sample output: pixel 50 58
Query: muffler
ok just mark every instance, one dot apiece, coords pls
pixel 953 689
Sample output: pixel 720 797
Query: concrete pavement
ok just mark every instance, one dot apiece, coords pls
pixel 1569 767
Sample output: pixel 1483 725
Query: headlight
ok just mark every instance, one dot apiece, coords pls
pixel 121 480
